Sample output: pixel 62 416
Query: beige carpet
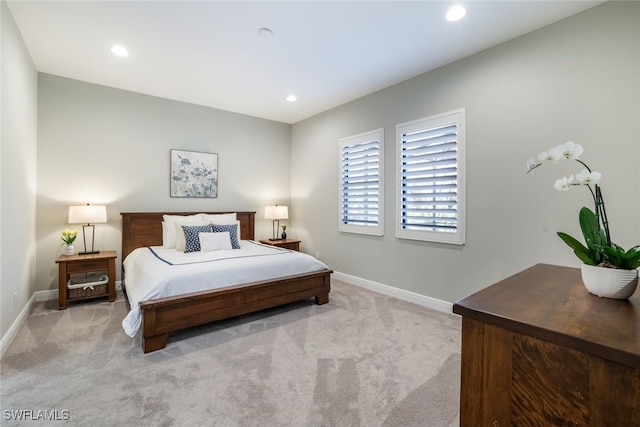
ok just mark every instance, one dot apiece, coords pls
pixel 364 359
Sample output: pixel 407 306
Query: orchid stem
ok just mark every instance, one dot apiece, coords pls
pixel 602 214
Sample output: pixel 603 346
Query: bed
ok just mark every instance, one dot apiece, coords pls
pixel 161 316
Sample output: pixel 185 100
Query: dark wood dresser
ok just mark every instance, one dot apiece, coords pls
pixel 539 350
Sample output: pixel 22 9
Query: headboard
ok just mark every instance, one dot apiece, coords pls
pixel 140 229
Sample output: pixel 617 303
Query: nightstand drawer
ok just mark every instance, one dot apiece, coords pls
pixel 294 246
pixel 87 266
pixel 291 244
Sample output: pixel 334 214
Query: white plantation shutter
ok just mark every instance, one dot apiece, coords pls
pixel 361 183
pixel 430 193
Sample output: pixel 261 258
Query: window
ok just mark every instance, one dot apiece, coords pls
pixel 362 183
pixel 430 179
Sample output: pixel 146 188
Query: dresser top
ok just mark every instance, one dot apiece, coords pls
pixel 551 303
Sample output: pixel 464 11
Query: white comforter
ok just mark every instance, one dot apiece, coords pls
pixel 156 272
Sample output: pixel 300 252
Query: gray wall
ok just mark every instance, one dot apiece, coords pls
pixel 102 145
pixel 17 174
pixel 575 80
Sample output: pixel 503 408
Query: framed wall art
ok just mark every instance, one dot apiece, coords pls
pixel 193 174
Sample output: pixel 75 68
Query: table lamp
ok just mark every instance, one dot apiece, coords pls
pixel 88 215
pixel 276 213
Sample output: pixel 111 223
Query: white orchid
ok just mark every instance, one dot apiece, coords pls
pixel 600 250
pixel 568 150
pixel 571 150
pixel 564 183
pixel 552 155
pixel 585 177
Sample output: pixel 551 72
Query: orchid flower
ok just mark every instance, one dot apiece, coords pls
pixel 570 150
pixel 564 183
pixel 585 177
pixel 552 155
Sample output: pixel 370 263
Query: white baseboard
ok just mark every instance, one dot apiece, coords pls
pixel 11 334
pixel 38 296
pixel 425 301
pixel 46 295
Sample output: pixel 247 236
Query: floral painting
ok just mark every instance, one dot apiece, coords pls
pixel 194 174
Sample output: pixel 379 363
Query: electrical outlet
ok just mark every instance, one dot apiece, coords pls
pixel 15 299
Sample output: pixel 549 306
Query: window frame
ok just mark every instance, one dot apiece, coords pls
pixel 454 117
pixel 376 135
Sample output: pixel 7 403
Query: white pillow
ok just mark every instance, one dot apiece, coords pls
pixel 169 229
pixel 179 232
pixel 229 218
pixel 214 241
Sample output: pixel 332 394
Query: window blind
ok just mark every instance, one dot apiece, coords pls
pixel 360 187
pixel 430 180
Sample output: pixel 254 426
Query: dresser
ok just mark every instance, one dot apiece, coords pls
pixel 539 350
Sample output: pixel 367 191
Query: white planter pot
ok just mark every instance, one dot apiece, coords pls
pixel 609 282
pixel 69 250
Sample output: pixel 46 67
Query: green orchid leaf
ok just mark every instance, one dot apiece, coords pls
pixel 590 229
pixel 585 258
pixel 613 256
pixel 586 255
pixel 632 258
pixel 633 253
pixel 617 257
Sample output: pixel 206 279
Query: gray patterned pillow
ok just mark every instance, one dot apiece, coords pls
pixel 191 239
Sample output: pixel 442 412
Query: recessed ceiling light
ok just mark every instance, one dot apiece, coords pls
pixel 292 98
pixel 456 13
pixel 119 50
pixel 265 32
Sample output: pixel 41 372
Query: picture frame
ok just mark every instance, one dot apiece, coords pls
pixel 193 174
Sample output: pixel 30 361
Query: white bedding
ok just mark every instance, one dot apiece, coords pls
pixel 147 277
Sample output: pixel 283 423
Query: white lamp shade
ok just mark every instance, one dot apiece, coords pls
pixel 87 214
pixel 276 212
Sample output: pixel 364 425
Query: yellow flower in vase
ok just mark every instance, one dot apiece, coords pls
pixel 68 236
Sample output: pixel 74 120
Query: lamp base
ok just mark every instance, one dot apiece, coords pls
pixel 88 252
pixel 274 240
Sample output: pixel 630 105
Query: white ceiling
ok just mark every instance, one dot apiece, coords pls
pixel 210 53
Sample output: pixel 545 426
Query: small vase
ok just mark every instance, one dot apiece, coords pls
pixel 283 236
pixel 609 282
pixel 69 250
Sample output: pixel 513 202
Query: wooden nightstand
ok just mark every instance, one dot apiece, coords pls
pixel 286 243
pixel 104 261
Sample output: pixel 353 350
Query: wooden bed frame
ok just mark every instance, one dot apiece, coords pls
pixel 165 315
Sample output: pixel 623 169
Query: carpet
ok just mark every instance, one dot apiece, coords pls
pixel 364 359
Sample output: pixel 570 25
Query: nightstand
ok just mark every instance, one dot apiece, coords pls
pixel 283 243
pixel 92 287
